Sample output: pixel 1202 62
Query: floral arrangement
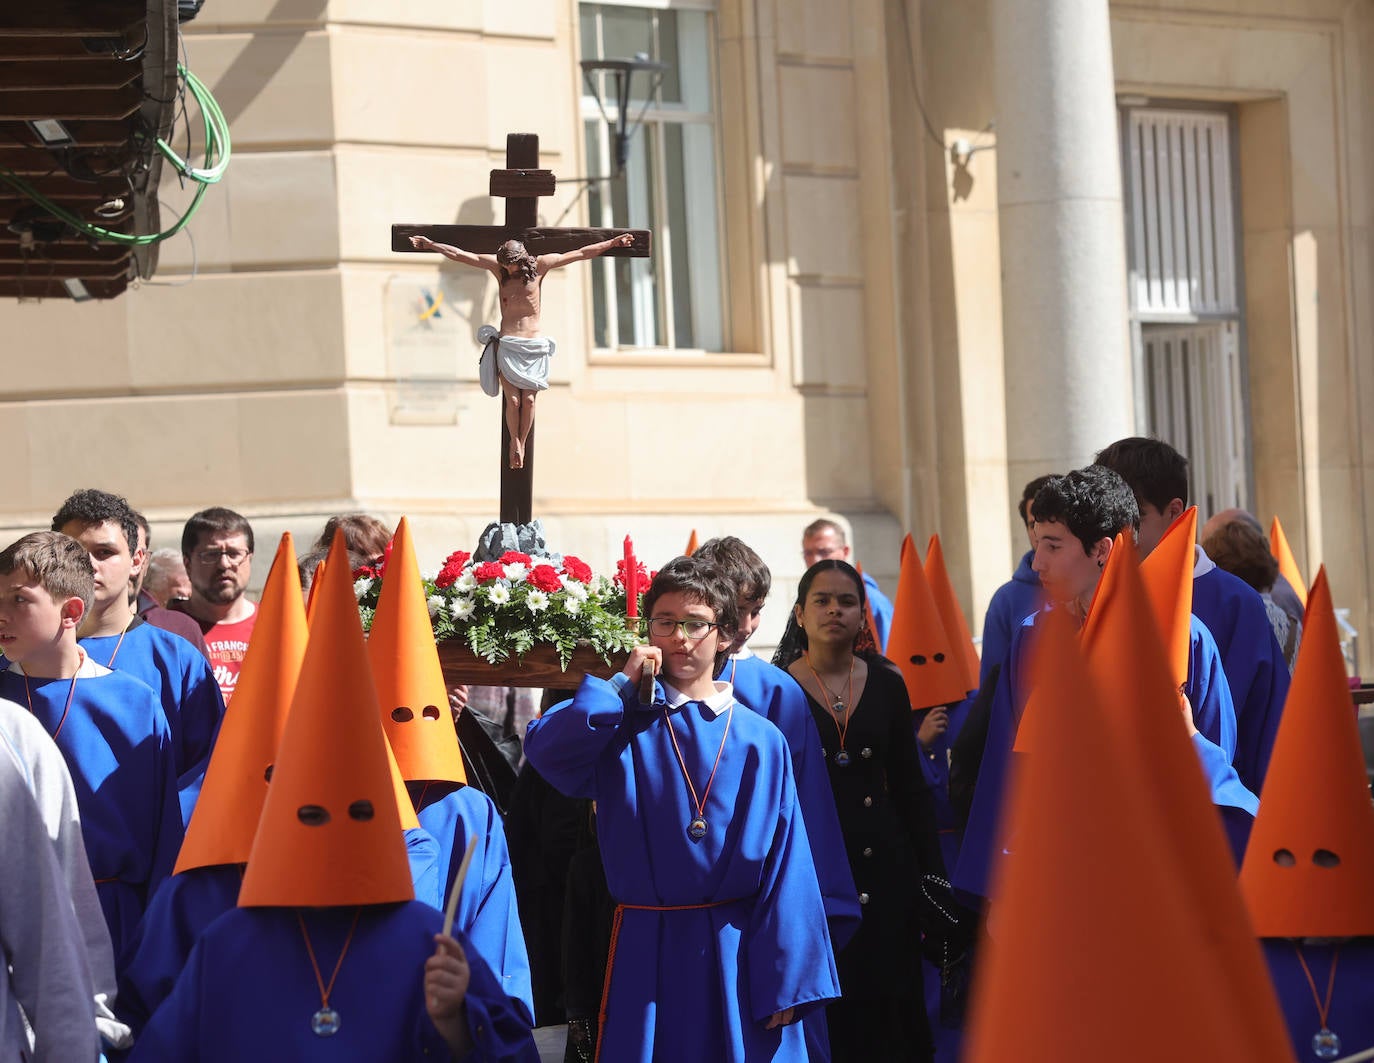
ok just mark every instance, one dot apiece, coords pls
pixel 505 607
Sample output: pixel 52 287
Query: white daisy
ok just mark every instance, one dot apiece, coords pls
pixel 536 601
pixel 361 586
pixel 516 572
pixel 576 591
pixel 434 603
pixel 573 606
pixel 462 608
pixel 498 594
pixel 466 582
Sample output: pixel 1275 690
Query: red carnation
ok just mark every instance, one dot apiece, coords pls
pixel 544 578
pixel 577 569
pixel 448 575
pixel 458 559
pixel 514 557
pixel 364 572
pixel 644 576
pixel 490 570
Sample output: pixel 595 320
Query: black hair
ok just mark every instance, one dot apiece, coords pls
pixel 1028 494
pixel 793 642
pixel 1155 471
pixel 89 506
pixel 141 523
pixel 698 579
pixel 738 565
pixel 214 521
pixel 1094 503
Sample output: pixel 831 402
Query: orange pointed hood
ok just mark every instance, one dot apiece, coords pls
pixel 917 642
pixel 330 832
pixel 407 673
pixel 951 616
pixel 692 544
pixel 1309 867
pixel 236 782
pixel 1168 576
pixel 314 587
pixel 1096 940
pixel 1288 564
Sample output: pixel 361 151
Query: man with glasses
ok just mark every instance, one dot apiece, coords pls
pixel 823 540
pixel 217 546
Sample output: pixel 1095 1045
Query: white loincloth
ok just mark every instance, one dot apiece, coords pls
pixel 522 360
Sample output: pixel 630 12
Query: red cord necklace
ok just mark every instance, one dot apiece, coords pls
pixel 325 1022
pixel 841 707
pixel 71 692
pixel 696 830
pixel 1325 1043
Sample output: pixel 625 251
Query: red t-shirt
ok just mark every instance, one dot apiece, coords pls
pixel 227 643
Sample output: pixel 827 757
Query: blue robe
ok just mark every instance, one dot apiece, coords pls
pixel 750 939
pixel 882 609
pixel 118 748
pixel 487 909
pixel 1255 669
pixel 1011 603
pixel 188 902
pixel 775 696
pixel 248 993
pixel 1352 999
pixel 1213 716
pixel 182 678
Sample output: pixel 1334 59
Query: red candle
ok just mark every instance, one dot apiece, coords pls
pixel 631 580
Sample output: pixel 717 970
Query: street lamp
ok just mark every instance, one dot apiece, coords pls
pixel 622 72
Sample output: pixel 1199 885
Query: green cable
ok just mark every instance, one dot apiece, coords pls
pixel 216 145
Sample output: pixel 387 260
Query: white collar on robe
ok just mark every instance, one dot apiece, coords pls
pixel 742 654
pixel 88 669
pixel 1202 564
pixel 717 703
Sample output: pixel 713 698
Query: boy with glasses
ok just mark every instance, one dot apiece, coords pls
pixel 719 942
pixel 217 546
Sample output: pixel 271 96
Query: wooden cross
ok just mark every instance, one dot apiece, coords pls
pixel 520 184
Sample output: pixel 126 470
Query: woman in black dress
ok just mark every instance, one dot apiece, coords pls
pixel 860 705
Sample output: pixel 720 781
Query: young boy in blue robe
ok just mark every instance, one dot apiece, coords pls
pixel 328 956
pixel 416 718
pixel 768 690
pixel 1308 876
pixel 113 635
pixel 109 726
pixel 1077 517
pixel 1232 611
pixel 719 942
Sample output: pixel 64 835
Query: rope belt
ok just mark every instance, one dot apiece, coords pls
pixel 620 910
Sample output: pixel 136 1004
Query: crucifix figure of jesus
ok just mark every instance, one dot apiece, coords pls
pixel 518 352
pixel 520 255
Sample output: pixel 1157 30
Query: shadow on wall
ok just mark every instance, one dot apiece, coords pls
pixel 255 66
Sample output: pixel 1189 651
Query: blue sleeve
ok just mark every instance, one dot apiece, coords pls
pixel 790 960
pixel 499 1032
pixel 1214 713
pixel 202 708
pixel 495 925
pixel 173 1033
pixel 565 743
pixel 167 823
pixel 1256 656
pixel 422 852
pixel 882 617
pixel 997 632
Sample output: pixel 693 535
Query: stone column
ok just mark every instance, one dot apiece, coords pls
pixel 1064 310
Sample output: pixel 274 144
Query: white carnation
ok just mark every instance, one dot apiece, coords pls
pixel 576 591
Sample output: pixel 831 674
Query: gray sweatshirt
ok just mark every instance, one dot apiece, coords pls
pixel 44 947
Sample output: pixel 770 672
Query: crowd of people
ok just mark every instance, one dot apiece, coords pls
pixel 256 819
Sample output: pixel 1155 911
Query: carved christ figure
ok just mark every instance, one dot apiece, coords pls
pixel 517 350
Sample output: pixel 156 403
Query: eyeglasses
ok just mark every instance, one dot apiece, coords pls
pixel 235 557
pixel 694 629
pixel 821 553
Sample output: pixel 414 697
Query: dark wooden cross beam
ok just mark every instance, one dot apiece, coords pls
pixel 520 184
